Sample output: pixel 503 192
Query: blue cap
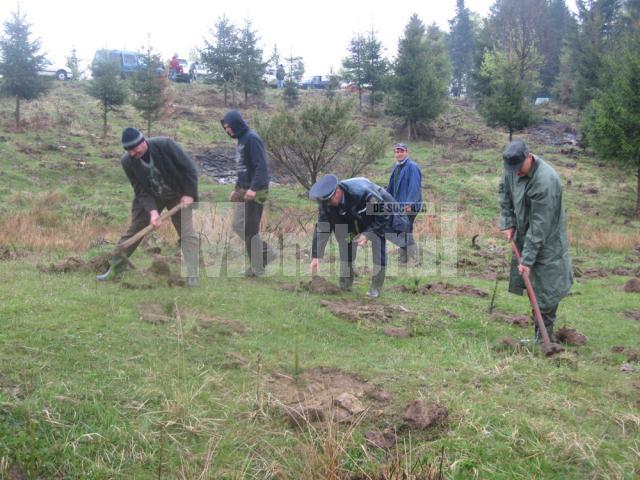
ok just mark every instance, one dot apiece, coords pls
pixel 514 156
pixel 324 188
pixel 401 146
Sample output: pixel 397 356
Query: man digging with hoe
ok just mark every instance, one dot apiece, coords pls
pixel 532 219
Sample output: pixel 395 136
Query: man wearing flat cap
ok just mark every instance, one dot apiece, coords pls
pixel 162 176
pixel 532 213
pixel 405 185
pixel 354 209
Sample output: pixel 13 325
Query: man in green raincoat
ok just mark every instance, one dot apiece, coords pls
pixel 532 213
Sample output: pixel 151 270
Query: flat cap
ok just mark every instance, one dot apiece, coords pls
pixel 514 155
pixel 324 188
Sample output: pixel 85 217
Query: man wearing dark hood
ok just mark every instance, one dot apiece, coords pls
pixel 251 189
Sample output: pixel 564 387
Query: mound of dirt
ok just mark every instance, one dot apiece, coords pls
pixel 355 311
pixel 221 325
pixel 589 273
pixel 440 288
pixel 317 285
pixel 320 395
pixel 97 264
pixel 625 272
pixel 422 415
pixel 508 344
pixel 159 267
pixel 154 313
pixel 397 332
pixel 384 440
pixel 570 336
pixel 7 253
pixel 522 321
pixel 632 286
pixel 632 314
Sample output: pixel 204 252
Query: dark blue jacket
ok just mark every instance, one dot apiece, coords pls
pixel 251 162
pixel 352 214
pixel 409 189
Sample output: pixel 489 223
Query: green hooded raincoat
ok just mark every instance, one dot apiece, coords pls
pixel 532 204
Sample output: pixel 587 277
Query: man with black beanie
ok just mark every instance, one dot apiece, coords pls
pixel 162 176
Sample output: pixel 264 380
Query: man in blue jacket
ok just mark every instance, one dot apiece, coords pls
pixel 405 185
pixel 356 209
pixel 252 188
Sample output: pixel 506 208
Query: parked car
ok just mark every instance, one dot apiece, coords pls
pixel 128 62
pixel 314 82
pixel 60 72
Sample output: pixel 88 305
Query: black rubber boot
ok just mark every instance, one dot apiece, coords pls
pixel 377 281
pixel 116 267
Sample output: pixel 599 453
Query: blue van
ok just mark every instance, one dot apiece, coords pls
pixel 129 62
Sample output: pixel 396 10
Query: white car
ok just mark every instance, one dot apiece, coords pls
pixel 61 72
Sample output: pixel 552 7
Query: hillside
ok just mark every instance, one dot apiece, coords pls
pixel 274 378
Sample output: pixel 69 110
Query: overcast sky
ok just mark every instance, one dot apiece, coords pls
pixel 319 31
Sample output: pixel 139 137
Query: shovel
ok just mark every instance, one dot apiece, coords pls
pixel 118 252
pixel 548 348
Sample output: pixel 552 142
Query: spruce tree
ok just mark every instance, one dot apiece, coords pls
pixel 150 89
pixel 20 62
pixel 294 66
pixel 353 66
pixel 612 119
pixel 221 57
pixel 251 68
pixel 107 88
pixel 376 69
pixel 461 45
pixel 74 64
pixel 422 73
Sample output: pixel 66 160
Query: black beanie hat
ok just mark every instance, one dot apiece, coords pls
pixel 131 138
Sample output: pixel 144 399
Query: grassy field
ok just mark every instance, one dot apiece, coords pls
pixel 139 379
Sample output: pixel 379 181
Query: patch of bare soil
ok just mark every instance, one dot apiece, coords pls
pixel 234 360
pixel 320 395
pixel 422 415
pixel 507 344
pixel 97 264
pixel 7 253
pixel 570 336
pixel 551 132
pixel 632 314
pixel 589 273
pixel 632 286
pixel 440 288
pixel 385 439
pixel 160 268
pixel 224 326
pixel 625 272
pixel 522 321
pixel 357 311
pixel 590 190
pixel 315 285
pixel 16 473
pixel 399 332
pixel 154 313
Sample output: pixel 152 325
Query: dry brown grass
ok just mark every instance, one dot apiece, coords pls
pixel 601 240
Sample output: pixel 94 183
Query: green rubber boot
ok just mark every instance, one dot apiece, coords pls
pixel 376 283
pixel 116 267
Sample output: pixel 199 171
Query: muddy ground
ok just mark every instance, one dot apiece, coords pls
pixel 99 264
pixel 441 288
pixel 356 311
pixel 168 314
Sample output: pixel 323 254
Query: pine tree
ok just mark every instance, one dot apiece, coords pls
pixel 150 89
pixel 221 57
pixel 74 64
pixel 612 119
pixel 20 63
pixel 507 102
pixel 461 45
pixel 353 66
pixel 107 88
pixel 422 74
pixel 376 69
pixel 251 68
pixel 294 67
